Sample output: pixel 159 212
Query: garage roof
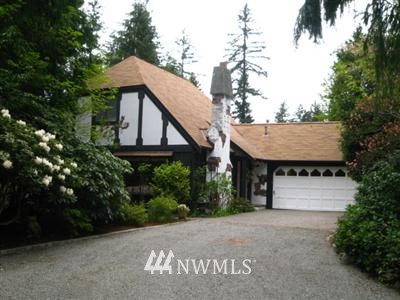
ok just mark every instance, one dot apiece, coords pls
pixel 313 141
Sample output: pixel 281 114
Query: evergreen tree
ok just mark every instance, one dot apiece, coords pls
pixel 243 53
pixel 303 115
pixel 186 53
pixel 383 37
pixel 138 37
pixel 281 116
pixel 186 57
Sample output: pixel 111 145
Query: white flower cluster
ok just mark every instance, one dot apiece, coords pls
pixel 45 136
pixel 7 164
pixel 47 180
pixel 45 146
pixel 67 191
pixel 5 113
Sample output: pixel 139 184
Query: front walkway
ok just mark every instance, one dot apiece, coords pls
pixel 287 253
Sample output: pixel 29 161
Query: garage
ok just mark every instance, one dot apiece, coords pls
pixel 312 188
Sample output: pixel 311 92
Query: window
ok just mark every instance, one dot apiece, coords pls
pixel 303 172
pixel 291 172
pixel 280 172
pixel 327 173
pixel 109 115
pixel 340 173
pixel 315 173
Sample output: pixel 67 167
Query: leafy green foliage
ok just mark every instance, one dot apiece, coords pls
pixel 162 209
pixel 172 179
pixel 371 133
pixel 101 190
pixel 219 191
pixel 243 54
pixel 133 214
pixel 34 171
pixel 241 204
pixel 382 20
pixel 138 37
pixel 369 232
pixel 353 78
pixel 369 120
pixel 78 222
pixel 47 59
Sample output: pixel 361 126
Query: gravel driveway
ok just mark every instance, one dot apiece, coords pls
pixel 287 253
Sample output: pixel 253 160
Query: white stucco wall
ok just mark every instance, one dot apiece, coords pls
pixel 259 174
pixel 152 123
pixel 174 137
pixel 130 110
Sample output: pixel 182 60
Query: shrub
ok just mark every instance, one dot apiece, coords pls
pixel 369 231
pixel 34 171
pixel 242 205
pixel 220 191
pixel 78 223
pixel 223 212
pixel 101 187
pixel 162 209
pixel 172 179
pixel 133 214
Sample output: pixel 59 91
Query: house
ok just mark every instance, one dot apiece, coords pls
pixel 164 117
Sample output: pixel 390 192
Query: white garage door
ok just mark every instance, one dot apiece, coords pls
pixel 313 188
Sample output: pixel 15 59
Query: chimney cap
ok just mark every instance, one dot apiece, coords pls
pixel 221 83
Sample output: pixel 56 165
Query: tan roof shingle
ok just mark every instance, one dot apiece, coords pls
pixel 192 110
pixel 314 141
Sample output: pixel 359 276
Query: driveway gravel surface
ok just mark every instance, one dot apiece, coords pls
pixel 287 252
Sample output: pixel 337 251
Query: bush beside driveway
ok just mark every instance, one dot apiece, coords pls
pixel 290 259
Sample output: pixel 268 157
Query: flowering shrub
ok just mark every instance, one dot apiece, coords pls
pixel 33 168
pixel 371 133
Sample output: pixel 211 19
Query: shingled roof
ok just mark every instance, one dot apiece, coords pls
pixel 187 104
pixel 192 109
pixel 314 141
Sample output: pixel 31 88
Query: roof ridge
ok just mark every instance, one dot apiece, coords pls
pixel 287 123
pixel 136 59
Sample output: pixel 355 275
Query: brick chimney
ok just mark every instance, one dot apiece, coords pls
pixel 219 133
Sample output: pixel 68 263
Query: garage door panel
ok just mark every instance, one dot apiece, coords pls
pixel 329 192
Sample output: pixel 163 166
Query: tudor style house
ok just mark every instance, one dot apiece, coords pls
pixel 165 117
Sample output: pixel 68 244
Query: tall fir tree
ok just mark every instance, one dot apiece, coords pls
pixel 186 57
pixel 138 37
pixel 243 52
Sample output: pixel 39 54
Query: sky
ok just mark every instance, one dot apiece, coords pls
pixel 295 74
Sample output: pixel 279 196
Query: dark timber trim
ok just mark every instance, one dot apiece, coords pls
pixel 164 138
pixel 175 148
pixel 164 111
pixel 139 139
pixel 270 184
pixel 119 97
